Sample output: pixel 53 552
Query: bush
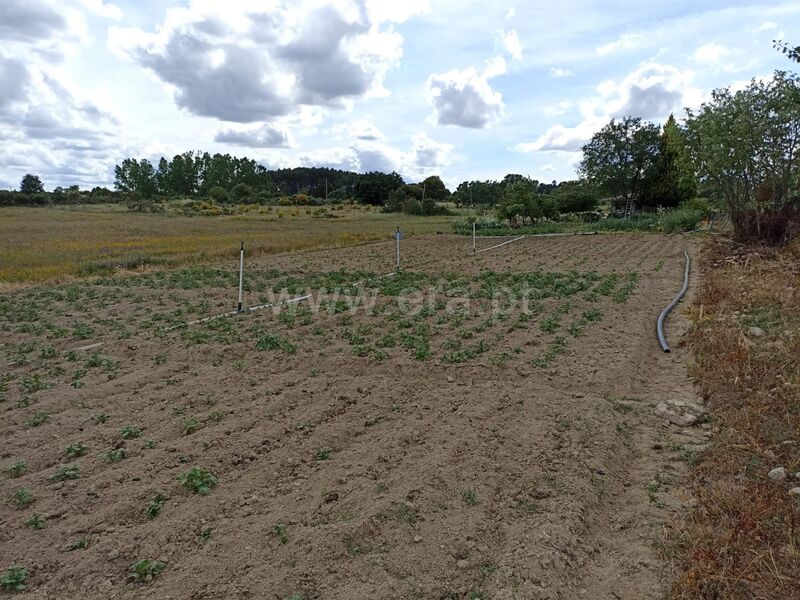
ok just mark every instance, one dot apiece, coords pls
pixel 218 194
pixel 242 192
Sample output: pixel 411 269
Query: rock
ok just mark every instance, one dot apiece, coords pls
pixel 756 332
pixel 795 491
pixel 114 554
pixel 462 564
pixel 450 379
pixel 418 538
pixel 680 412
pixel 777 474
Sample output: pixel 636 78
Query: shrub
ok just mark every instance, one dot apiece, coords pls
pixel 218 194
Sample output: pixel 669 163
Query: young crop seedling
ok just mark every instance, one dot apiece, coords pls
pixel 469 497
pixel 101 418
pixel 80 544
pixel 191 425
pixel 130 432
pixel 22 498
pixel 13 579
pixel 198 480
pixel 155 505
pixel 35 521
pixel 145 570
pixel 75 450
pixel 65 473
pixel 115 455
pixel 279 530
pixel 33 383
pixel 17 469
pixel 37 419
pixel 323 454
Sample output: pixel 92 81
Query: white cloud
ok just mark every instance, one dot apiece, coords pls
pixel 558 109
pixel 767 26
pixel 559 72
pixel 465 98
pixel 363 129
pixel 266 136
pixel 236 62
pixel 103 9
pixel 651 92
pixel 512 44
pixel 626 41
pixel 709 53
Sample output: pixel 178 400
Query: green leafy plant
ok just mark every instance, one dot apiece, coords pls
pixel 191 425
pixel 155 505
pixel 35 521
pixel 80 544
pixel 22 498
pixel 115 455
pixel 198 480
pixel 17 469
pixel 65 473
pixel 75 450
pixel 469 497
pixel 37 419
pixel 323 454
pixel 145 570
pixel 13 579
pixel 129 432
pixel 279 531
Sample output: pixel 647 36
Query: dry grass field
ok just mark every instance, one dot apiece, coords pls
pixel 58 243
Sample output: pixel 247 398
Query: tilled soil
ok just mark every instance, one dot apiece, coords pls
pixel 357 456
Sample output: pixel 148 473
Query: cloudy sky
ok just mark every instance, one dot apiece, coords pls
pixel 467 90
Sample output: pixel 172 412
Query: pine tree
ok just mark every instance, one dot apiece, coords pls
pixel 673 180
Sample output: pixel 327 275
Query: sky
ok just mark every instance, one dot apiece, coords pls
pixel 464 90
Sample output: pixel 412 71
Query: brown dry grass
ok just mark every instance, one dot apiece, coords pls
pixel 58 243
pixel 743 538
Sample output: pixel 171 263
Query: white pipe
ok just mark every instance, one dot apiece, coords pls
pixel 498 245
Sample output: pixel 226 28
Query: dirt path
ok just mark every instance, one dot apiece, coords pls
pixel 509 460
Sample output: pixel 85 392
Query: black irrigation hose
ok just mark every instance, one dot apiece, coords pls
pixel 671 305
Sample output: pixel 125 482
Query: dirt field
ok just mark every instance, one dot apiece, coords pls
pixel 458 452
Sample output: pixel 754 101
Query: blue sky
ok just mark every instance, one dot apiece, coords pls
pixel 466 90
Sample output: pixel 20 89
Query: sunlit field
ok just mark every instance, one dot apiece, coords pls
pixel 41 244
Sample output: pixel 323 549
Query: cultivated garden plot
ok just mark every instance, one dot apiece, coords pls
pixel 464 428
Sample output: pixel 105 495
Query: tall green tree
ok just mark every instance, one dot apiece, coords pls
pixel 574 196
pixel 31 184
pixel 747 145
pixel 374 187
pixel 672 180
pixel 435 188
pixel 137 176
pixel 621 156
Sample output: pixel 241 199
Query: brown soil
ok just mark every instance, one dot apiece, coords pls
pixel 494 477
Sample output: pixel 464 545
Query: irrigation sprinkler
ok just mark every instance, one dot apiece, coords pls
pixel 398 236
pixel 473 237
pixel 241 276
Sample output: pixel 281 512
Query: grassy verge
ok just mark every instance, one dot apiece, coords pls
pixel 743 538
pixel 669 222
pixel 56 243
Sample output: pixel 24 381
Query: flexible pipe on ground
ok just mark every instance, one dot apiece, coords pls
pixel 660 323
